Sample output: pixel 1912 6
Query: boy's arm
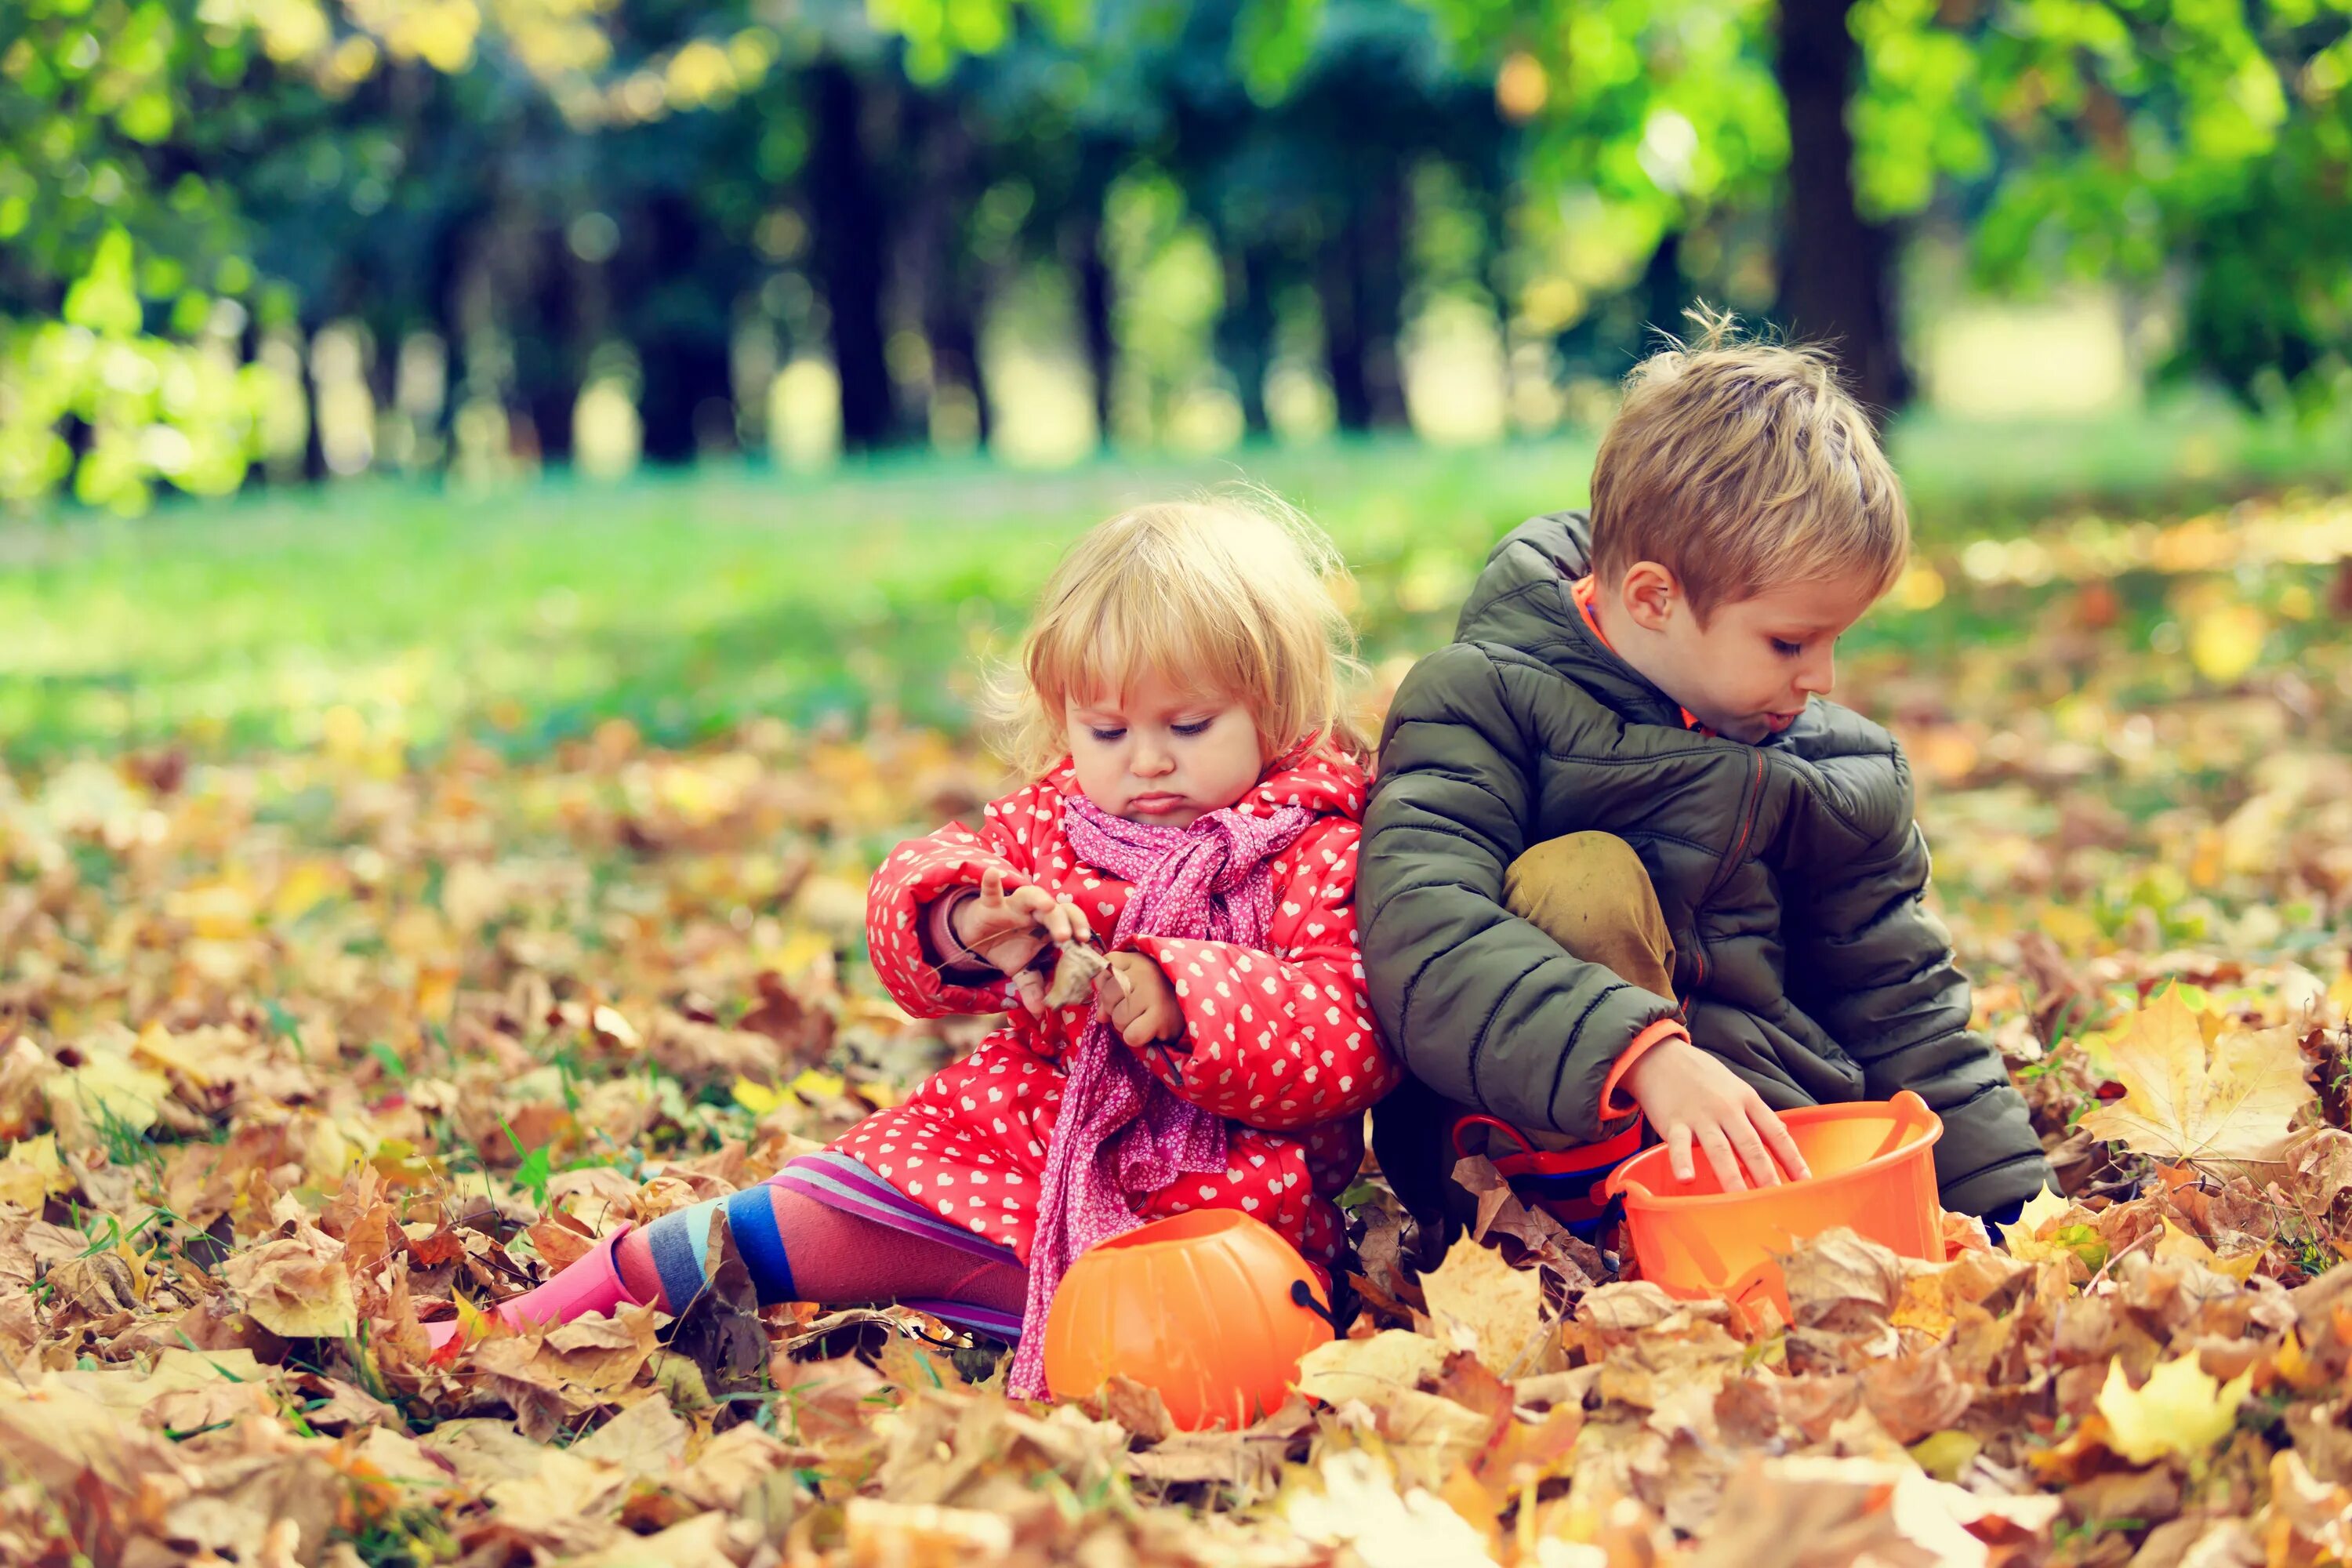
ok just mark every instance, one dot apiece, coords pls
pixel 1481 1006
pixel 1871 964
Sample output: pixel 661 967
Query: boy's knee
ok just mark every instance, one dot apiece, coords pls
pixel 1590 893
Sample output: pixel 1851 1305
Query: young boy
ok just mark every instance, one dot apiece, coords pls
pixel 1622 864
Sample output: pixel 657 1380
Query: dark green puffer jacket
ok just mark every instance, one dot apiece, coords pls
pixel 1791 873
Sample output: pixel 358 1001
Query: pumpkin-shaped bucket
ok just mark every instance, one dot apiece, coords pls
pixel 1198 1306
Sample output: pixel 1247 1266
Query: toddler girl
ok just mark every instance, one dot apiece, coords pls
pixel 1195 813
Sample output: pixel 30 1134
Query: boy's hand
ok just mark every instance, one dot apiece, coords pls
pixel 1010 930
pixel 1691 1097
pixel 1137 999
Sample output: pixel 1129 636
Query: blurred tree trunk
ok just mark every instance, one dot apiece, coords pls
pixel 548 354
pixel 314 448
pixel 1246 328
pixel 1362 284
pixel 851 241
pixel 950 276
pixel 444 293
pixel 687 401
pixel 1837 280
pixel 1666 293
pixel 1082 246
pixel 683 335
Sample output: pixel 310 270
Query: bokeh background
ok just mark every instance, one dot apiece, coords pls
pixel 410 367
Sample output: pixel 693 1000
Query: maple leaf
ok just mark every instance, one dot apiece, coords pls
pixel 2188 1098
pixel 1493 1309
pixel 2040 1210
pixel 2179 1410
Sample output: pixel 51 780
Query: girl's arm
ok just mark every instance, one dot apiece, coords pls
pixel 902 899
pixel 1283 1037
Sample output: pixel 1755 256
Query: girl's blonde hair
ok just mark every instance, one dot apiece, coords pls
pixel 1233 592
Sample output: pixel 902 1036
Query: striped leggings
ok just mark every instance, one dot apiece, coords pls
pixel 826 1229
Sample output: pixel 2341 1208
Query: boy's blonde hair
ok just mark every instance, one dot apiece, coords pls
pixel 1740 465
pixel 1232 593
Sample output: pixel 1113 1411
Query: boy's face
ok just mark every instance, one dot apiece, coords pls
pixel 1749 670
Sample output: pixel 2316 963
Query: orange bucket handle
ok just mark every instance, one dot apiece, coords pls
pixel 1302 1291
pixel 1498 1124
pixel 1911 1114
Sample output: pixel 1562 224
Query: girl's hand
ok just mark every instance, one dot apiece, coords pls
pixel 1136 998
pixel 1010 930
pixel 1691 1097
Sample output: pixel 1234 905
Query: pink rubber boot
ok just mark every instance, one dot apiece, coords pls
pixel 590 1287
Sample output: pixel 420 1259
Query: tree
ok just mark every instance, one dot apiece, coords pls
pixel 1642 124
pixel 141 144
pixel 2153 144
pixel 1837 283
pixel 116 250
pixel 1303 174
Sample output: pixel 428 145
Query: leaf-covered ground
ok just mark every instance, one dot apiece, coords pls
pixel 298 1047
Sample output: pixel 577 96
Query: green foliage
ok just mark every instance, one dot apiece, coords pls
pixel 151 408
pixel 1643 117
pixel 1273 41
pixel 2131 141
pixel 2122 140
pixel 188 187
pixel 123 259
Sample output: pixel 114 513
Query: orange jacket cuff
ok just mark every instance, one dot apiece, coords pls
pixel 1612 1104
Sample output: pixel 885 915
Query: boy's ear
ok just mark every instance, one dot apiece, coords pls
pixel 1651 594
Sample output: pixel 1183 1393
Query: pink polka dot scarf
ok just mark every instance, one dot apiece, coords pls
pixel 1122 1134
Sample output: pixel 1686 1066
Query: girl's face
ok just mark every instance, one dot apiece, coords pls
pixel 1163 755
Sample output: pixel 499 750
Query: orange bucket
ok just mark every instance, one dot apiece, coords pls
pixel 1873 1172
pixel 1211 1307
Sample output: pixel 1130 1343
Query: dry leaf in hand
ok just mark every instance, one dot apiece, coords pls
pixel 1074 975
pixel 2189 1099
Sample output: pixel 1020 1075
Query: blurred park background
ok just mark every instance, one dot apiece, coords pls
pixel 393 368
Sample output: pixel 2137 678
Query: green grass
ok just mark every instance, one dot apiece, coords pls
pixel 686 602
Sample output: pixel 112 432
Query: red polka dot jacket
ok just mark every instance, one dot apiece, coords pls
pixel 1280 1042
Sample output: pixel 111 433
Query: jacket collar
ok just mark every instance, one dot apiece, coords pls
pixel 1524 600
